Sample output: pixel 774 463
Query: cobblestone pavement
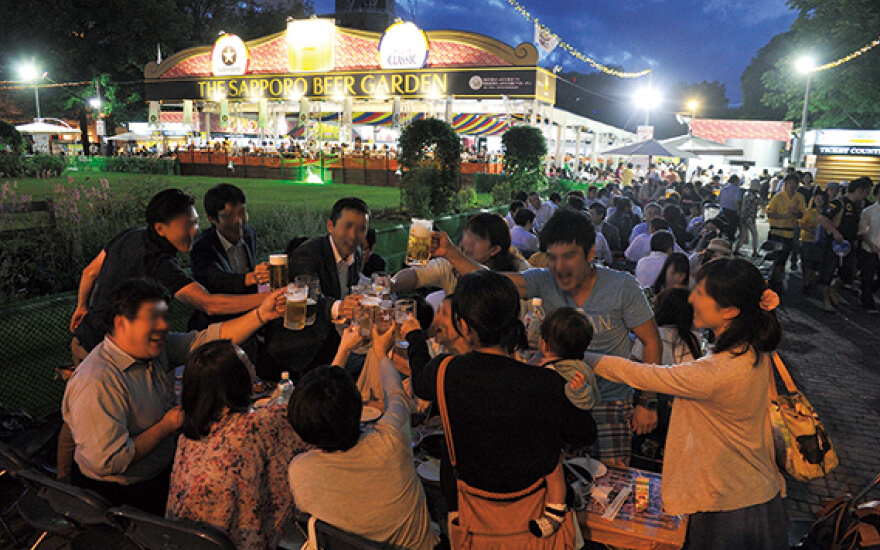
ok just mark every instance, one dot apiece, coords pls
pixel 834 359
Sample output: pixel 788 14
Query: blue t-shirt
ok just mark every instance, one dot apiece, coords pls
pixel 614 307
pixel 729 195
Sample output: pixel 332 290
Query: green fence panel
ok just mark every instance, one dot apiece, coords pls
pixel 35 340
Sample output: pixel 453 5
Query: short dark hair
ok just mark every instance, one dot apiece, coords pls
pixel 492 227
pixel 217 197
pixel 325 409
pixel 662 240
pixel 599 208
pixel 524 216
pixel 515 207
pixel 653 206
pixel 489 303
pixel 127 297
pixel 167 205
pixel 215 378
pixel 857 184
pixel 681 264
pixel 791 178
pixel 555 197
pixel 575 202
pixel 348 203
pixel 568 227
pixel 567 333
pixel 370 238
pixel 521 196
pixel 658 224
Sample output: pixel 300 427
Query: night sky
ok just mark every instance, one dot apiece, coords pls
pixel 682 40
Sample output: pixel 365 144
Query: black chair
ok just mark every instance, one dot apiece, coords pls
pixel 70 512
pixel 329 537
pixel 11 462
pixel 151 532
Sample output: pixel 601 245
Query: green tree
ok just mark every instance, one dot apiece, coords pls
pixel 430 154
pixel 524 151
pixel 847 95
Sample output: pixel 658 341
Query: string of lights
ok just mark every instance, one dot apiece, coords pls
pixel 572 50
pixel 17 85
pixel 866 48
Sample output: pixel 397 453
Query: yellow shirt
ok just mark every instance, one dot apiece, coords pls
pixel 626 177
pixel 809 223
pixel 779 205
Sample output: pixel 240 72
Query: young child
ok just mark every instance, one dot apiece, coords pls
pixel 565 336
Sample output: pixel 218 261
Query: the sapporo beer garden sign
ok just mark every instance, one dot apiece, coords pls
pixel 315 59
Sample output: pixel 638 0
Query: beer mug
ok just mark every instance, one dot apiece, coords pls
pixel 278 271
pixel 402 310
pixel 382 284
pixel 364 315
pixel 418 248
pixel 295 312
pixel 312 301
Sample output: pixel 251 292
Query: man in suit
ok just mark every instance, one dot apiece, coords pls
pixel 224 256
pixel 336 260
pixel 611 234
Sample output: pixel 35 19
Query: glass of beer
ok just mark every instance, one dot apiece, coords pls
pixel 402 310
pixel 312 302
pixel 418 249
pixel 382 284
pixel 295 312
pixel 364 316
pixel 278 271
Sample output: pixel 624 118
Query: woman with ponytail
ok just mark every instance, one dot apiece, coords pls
pixel 719 463
pixel 508 420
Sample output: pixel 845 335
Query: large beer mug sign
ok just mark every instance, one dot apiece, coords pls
pixel 295 312
pixel 418 249
pixel 278 277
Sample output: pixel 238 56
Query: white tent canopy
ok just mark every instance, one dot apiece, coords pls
pixel 130 136
pixel 702 146
pixel 44 128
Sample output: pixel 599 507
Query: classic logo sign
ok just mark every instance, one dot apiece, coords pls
pixel 403 46
pixel 230 57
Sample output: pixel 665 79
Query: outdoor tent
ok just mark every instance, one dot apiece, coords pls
pixel 649 148
pixel 130 136
pixel 44 128
pixel 701 146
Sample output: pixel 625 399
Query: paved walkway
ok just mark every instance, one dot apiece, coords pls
pixel 834 359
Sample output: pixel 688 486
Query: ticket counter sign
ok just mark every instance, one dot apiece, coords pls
pixel 230 57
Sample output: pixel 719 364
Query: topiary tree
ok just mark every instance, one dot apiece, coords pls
pixel 524 152
pixel 10 137
pixel 430 155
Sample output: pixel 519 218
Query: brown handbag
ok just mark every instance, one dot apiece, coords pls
pixel 498 521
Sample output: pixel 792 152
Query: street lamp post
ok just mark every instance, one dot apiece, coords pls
pixel 804 65
pixel 31 73
pixel 647 99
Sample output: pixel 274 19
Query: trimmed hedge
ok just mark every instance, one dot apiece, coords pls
pixel 138 165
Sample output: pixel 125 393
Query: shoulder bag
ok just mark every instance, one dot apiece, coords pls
pixel 497 521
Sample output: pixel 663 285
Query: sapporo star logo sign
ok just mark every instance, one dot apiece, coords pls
pixel 228 55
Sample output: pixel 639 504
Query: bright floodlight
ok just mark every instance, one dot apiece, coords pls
pixel 692 105
pixel 805 64
pixel 647 98
pixel 28 72
pixel 95 103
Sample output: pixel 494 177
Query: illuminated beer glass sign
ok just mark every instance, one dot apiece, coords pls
pixel 230 57
pixel 311 44
pixel 403 46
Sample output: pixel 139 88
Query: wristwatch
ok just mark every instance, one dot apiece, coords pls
pixel 650 404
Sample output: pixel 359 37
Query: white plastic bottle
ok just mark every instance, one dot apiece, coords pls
pixel 284 389
pixel 533 321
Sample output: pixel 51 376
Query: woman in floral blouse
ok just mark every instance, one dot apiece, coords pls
pixel 230 469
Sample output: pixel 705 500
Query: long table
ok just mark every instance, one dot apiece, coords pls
pixel 647 530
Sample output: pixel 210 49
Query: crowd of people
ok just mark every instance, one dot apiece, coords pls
pixel 613 346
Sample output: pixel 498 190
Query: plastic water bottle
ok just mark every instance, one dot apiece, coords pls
pixel 284 389
pixel 533 321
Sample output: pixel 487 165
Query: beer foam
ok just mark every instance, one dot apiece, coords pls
pixel 420 231
pixel 370 301
pixel 277 259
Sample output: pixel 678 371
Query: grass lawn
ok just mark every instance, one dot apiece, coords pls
pixel 262 194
